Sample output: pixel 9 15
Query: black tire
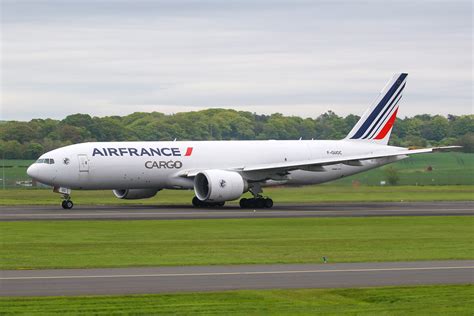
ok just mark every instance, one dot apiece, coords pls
pixel 63 204
pixel 252 203
pixel 268 203
pixel 197 202
pixel 260 203
pixel 220 204
pixel 243 203
pixel 69 205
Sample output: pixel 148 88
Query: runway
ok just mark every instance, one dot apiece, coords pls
pixel 149 212
pixel 219 278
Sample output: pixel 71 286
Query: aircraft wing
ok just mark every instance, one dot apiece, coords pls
pixel 293 165
pixel 314 164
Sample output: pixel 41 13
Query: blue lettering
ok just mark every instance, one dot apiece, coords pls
pixel 176 151
pixel 122 151
pixel 112 151
pixel 97 152
pixel 155 151
pixel 144 152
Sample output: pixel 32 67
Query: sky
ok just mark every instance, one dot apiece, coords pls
pixel 293 57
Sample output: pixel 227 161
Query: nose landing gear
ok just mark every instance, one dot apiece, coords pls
pixel 66 196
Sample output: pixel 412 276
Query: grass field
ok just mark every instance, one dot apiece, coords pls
pixel 14 170
pixel 452 168
pixel 85 244
pixel 306 194
pixel 421 300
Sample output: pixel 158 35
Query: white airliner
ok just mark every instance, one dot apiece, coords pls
pixel 221 171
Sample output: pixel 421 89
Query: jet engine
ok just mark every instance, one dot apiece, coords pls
pixel 134 194
pixel 219 185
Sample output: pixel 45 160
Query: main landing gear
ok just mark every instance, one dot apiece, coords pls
pixel 258 201
pixel 198 203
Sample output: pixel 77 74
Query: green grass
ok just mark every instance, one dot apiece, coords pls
pixel 420 300
pixel 86 244
pixel 451 168
pixel 14 170
pixel 305 194
pixel 326 193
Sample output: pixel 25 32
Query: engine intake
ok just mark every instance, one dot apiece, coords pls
pixel 135 194
pixel 219 185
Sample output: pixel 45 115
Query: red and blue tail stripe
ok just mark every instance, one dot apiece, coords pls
pixel 377 121
pixel 382 118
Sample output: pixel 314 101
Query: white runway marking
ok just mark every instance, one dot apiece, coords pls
pixel 231 273
pixel 224 212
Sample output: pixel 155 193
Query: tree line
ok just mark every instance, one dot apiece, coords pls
pixel 28 140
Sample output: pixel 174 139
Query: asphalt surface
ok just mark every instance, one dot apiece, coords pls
pixel 219 278
pixel 146 212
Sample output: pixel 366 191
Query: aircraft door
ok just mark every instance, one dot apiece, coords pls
pixel 83 163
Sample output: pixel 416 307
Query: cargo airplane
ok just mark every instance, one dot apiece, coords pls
pixel 221 171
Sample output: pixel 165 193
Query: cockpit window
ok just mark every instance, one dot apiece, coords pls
pixel 48 161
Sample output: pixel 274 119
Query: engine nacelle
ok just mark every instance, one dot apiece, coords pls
pixel 219 185
pixel 135 194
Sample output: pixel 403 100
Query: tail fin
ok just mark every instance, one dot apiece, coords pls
pixel 377 122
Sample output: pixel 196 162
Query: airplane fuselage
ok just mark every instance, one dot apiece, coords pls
pixel 163 165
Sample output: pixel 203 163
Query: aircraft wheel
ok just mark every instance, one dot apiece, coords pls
pixel 268 203
pixel 244 203
pixel 260 203
pixel 197 202
pixel 256 203
pixel 67 204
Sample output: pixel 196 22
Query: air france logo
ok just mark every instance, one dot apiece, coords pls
pixel 140 152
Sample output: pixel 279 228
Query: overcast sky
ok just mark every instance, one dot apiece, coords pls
pixel 293 57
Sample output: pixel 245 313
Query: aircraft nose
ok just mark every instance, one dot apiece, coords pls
pixel 33 171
